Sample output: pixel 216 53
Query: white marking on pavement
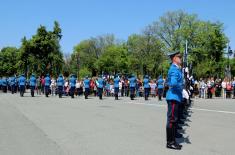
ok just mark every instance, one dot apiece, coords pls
pixel 162 105
pixel 219 111
pixel 149 104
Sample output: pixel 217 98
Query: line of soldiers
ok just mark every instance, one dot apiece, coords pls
pixel 20 84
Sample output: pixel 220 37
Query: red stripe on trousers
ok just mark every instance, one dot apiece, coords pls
pixel 172 112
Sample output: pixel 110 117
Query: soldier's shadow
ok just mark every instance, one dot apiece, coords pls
pixel 184 140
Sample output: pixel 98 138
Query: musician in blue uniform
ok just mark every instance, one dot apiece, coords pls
pixel 13 84
pixel 32 83
pixel 4 84
pixel 132 81
pixel 146 87
pixel 47 84
pixel 0 83
pixel 160 86
pixel 60 84
pixel 72 82
pixel 116 86
pixel 174 98
pixel 100 87
pixel 86 84
pixel 22 82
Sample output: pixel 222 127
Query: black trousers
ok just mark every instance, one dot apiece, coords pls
pixel 86 92
pixel 47 89
pixel 116 91
pixel 172 119
pixel 209 93
pixel 132 91
pixel 13 89
pixel 100 92
pixel 160 92
pixel 22 89
pixel 146 93
pixel 60 91
pixel 4 89
pixel 72 90
pixel 32 88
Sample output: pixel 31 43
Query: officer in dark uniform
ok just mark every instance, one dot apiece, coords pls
pixel 174 98
pixel 116 86
pixel 146 87
pixel 72 82
pixel 22 81
pixel 160 86
pixel 32 83
pixel 60 84
pixel 132 81
pixel 47 84
pixel 100 86
pixel 86 84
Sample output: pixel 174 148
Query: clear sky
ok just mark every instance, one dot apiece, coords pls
pixel 82 19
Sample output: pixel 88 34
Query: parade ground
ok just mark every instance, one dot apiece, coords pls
pixel 53 126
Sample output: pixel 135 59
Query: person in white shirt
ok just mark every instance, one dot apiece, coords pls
pixel 202 86
pixel 66 87
pixel 53 86
pixel 224 87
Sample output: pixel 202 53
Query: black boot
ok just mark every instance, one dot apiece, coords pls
pixel 132 97
pixel 145 97
pixel 171 144
pixel 168 135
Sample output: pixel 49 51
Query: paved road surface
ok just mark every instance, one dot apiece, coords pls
pixel 53 126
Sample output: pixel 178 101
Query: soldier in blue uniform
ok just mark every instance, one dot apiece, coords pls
pixel 160 86
pixel 47 84
pixel 116 87
pixel 0 83
pixel 4 84
pixel 22 82
pixel 174 98
pixel 60 84
pixel 146 87
pixel 86 84
pixel 12 84
pixel 72 81
pixel 32 84
pixel 100 86
pixel 132 86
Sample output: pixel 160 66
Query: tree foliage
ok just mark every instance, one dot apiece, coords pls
pixel 9 57
pixel 41 53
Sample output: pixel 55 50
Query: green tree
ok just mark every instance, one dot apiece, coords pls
pixel 146 53
pixel 206 40
pixel 9 56
pixel 89 51
pixel 114 60
pixel 41 53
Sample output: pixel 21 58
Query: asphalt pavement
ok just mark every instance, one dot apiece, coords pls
pixel 53 126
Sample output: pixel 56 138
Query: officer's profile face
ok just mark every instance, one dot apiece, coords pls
pixel 177 59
